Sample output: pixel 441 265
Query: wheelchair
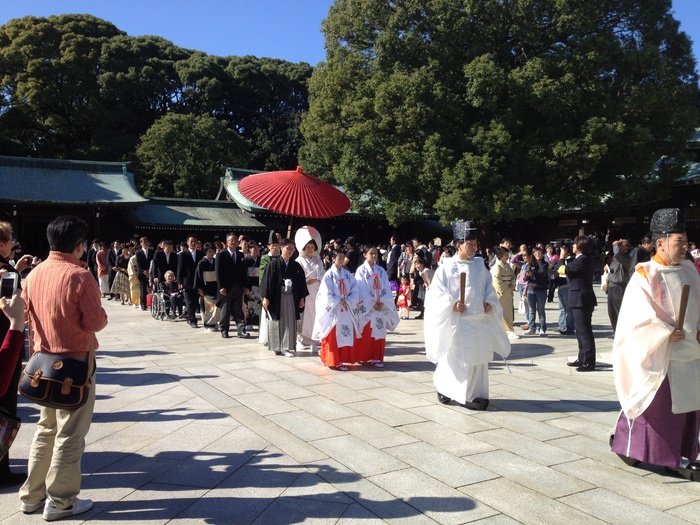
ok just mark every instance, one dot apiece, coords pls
pixel 158 306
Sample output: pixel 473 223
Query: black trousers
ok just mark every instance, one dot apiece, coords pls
pixel 232 304
pixel 584 334
pixel 9 403
pixel 191 301
pixel 615 295
pixel 143 281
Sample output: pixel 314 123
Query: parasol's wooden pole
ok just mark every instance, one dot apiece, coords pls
pixel 462 286
pixel 289 229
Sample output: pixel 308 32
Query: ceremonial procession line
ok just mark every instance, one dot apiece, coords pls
pixel 193 428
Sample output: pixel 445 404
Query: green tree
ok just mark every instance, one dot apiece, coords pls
pixel 499 109
pixel 185 156
pixel 48 84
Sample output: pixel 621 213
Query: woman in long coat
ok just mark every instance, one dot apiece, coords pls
pixel 504 284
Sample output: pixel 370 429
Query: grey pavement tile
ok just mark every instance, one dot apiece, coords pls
pixel 534 476
pixel 286 390
pixel 504 391
pixel 618 510
pixel 498 519
pixel 254 375
pixel 521 382
pixel 233 386
pixel 378 501
pixel 265 403
pixel 405 384
pixel 596 389
pixel 352 380
pixel 282 439
pixel 597 449
pixel 687 512
pixel 386 413
pixel 285 510
pixel 306 426
pixel 577 425
pixel 357 513
pixel 374 432
pixel 192 438
pixel 443 466
pixel 326 409
pixel 303 378
pixel 397 398
pixel 447 439
pixel 454 417
pixel 533 409
pixel 339 393
pixel 310 486
pixel 436 500
pixel 525 505
pixel 645 490
pixel 542 453
pixel 358 456
pixel 520 422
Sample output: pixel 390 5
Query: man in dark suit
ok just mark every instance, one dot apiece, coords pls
pixel 92 257
pixel 187 261
pixel 165 260
pixel 114 252
pixel 144 256
pixel 582 301
pixel 392 262
pixel 231 275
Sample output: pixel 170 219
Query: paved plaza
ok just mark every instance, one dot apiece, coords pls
pixel 192 428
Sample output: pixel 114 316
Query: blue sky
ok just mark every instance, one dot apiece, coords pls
pixel 286 29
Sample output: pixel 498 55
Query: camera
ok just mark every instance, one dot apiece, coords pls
pixel 8 284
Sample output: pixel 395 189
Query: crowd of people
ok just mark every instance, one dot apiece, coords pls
pixel 342 298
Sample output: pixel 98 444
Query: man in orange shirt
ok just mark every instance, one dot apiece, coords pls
pixel 63 302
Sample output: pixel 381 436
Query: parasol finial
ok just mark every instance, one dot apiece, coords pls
pixel 299 170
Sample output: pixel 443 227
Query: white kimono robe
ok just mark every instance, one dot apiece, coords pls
pixel 642 355
pixel 373 284
pixel 462 344
pixel 313 269
pixel 337 285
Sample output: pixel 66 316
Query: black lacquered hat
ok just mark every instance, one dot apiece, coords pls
pixel 667 220
pixel 464 230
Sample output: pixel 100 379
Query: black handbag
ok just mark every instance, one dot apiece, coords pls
pixel 53 381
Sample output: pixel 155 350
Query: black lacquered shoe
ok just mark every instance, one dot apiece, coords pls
pixel 586 367
pixel 574 363
pixel 443 399
pixel 479 403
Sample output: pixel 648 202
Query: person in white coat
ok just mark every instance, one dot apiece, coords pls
pixel 308 242
pixel 462 334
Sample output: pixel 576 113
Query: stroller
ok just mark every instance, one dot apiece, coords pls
pixel 166 301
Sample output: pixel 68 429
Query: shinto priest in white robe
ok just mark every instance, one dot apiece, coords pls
pixel 462 344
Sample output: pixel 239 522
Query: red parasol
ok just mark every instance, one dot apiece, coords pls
pixel 294 193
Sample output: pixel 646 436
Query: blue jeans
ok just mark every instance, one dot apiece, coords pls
pixel 566 316
pixel 537 301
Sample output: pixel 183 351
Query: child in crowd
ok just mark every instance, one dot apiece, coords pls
pixel 404 298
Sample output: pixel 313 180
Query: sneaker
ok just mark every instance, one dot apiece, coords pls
pixel 531 331
pixel 543 333
pixel 513 335
pixel 289 354
pixel 28 508
pixel 51 513
pixel 300 346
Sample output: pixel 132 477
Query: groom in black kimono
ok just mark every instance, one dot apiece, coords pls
pixel 283 291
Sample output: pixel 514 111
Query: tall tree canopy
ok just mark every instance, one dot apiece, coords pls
pixel 186 155
pixel 75 86
pixel 499 109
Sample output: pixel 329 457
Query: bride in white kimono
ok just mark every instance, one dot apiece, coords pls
pixel 336 315
pixel 308 241
pixel 377 312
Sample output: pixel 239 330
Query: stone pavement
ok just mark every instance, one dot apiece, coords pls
pixel 191 428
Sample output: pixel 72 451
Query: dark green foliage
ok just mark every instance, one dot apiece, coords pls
pixel 74 86
pixel 499 109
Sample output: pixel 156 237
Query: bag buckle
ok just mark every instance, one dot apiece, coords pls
pixel 36 378
pixel 66 386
